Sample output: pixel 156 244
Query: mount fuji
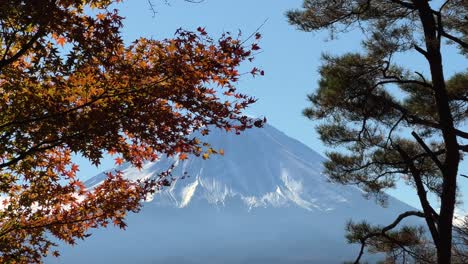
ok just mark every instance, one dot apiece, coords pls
pixel 264 201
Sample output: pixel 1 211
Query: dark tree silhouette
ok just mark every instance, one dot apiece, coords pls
pixel 383 135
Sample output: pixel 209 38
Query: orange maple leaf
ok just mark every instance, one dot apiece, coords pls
pixel 112 152
pixel 183 156
pixel 75 168
pixel 119 161
pixel 61 41
pixel 79 184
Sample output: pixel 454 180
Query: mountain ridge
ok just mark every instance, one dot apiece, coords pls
pixel 265 199
pixel 220 181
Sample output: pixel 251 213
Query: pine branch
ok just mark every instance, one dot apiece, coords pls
pixel 428 150
pixel 384 230
pixel 429 215
pixel 420 50
pixel 457 40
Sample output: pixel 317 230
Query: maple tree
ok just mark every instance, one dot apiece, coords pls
pixel 69 85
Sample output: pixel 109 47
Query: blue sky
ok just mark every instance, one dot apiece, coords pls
pixel 289 57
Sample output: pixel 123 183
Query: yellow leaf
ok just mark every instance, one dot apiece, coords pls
pixel 101 16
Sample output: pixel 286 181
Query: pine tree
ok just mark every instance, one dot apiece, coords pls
pixel 382 136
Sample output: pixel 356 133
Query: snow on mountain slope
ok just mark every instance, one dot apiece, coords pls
pixel 262 167
pixel 264 201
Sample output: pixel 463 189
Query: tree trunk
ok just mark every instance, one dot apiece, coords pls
pixel 452 159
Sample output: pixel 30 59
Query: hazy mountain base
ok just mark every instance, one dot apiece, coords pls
pixel 265 201
pixel 220 235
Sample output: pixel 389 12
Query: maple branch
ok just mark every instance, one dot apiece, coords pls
pixel 102 96
pixel 57 142
pixel 255 32
pixel 42 146
pixel 152 8
pixel 46 225
pixel 30 151
pixel 4 62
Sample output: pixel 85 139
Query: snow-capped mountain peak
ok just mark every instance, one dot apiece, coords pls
pixel 261 167
pixel 264 201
